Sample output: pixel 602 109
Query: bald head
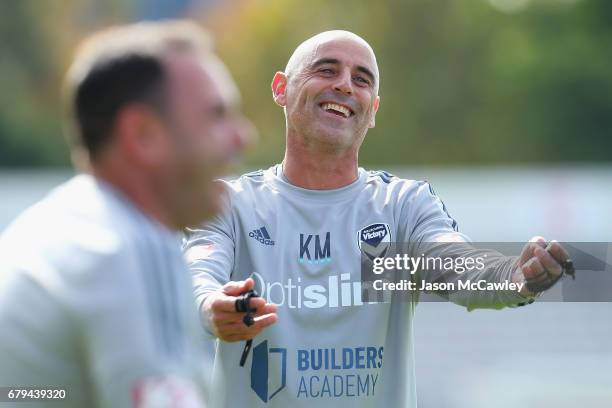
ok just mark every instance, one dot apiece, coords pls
pixel 329 92
pixel 305 52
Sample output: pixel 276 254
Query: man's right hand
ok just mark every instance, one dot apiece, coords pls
pixel 226 323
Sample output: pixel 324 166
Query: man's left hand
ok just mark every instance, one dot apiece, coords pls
pixel 540 265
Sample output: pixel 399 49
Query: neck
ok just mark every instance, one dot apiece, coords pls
pixel 307 167
pixel 136 188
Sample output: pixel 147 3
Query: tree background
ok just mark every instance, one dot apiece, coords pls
pixel 462 82
pixel 483 83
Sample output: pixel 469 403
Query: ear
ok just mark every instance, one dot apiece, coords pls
pixel 279 86
pixel 141 136
pixel 374 110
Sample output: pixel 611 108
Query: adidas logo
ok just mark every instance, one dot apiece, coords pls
pixel 261 235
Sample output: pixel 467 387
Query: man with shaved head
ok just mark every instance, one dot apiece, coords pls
pixel 299 233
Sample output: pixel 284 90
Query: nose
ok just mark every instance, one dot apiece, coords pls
pixel 344 83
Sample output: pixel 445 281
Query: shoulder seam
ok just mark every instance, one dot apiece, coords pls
pixel 455 225
pixel 256 173
pixel 385 176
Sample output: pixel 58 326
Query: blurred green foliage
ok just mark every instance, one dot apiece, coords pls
pixel 462 82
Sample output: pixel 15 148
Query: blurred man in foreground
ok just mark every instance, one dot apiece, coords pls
pixel 300 228
pixel 95 298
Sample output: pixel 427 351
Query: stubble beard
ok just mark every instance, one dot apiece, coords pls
pixel 320 137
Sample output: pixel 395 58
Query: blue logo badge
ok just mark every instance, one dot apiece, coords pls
pixel 265 370
pixel 374 240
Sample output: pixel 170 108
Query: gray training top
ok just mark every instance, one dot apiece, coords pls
pixel 329 348
pixel 95 297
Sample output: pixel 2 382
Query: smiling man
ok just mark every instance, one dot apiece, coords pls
pixel 296 232
pixel 95 297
